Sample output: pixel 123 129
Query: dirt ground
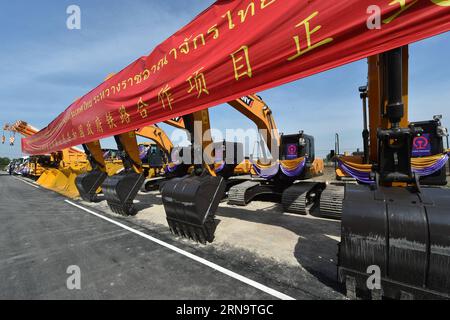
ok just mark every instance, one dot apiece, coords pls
pixel 300 249
pixel 261 227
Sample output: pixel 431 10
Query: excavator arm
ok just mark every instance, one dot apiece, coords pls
pixel 25 129
pixel 254 108
pixel 191 202
pixel 157 135
pixel 57 171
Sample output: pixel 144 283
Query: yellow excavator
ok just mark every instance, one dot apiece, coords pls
pixel 158 156
pixel 56 171
pixel 190 202
pixel 351 166
pixel 119 186
pixel 138 162
pixel 297 161
pixel 399 220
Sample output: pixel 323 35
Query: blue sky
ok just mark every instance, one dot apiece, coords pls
pixel 45 67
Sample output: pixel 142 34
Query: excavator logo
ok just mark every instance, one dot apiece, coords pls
pixel 291 151
pixel 247 100
pixel 421 145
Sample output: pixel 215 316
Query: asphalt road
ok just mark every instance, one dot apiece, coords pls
pixel 41 236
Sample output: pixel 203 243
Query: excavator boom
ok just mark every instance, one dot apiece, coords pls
pixel 157 135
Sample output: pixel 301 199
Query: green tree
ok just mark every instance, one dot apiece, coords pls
pixel 4 161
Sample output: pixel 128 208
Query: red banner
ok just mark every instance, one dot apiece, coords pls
pixel 235 48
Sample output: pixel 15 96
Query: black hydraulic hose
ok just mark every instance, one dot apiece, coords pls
pixel 395 106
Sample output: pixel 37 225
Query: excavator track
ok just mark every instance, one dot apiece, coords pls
pixel 237 194
pixel 331 201
pixel 244 193
pixel 301 196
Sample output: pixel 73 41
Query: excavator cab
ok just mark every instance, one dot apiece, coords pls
pixel 397 225
pixel 297 146
pixel 89 183
pixel 190 202
pixel 121 189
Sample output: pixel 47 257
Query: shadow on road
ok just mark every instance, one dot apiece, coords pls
pixel 317 247
pixel 147 200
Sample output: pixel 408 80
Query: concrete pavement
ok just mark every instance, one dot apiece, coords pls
pixel 41 235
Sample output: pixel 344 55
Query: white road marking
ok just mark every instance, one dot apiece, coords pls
pixel 205 262
pixel 338 239
pixel 30 184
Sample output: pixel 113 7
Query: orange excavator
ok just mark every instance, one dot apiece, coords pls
pixel 398 219
pixel 190 202
pixel 140 159
pixel 159 155
pixel 120 189
pixel 292 159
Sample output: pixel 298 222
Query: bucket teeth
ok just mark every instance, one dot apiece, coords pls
pixel 120 191
pixel 190 205
pixel 203 234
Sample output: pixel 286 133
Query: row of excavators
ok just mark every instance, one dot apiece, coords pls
pixel 394 214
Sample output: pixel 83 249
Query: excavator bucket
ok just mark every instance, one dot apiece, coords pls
pixel 191 203
pixel 89 183
pixel 70 190
pixel 53 179
pixel 402 232
pixel 120 191
pixel 61 181
pixel 397 231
